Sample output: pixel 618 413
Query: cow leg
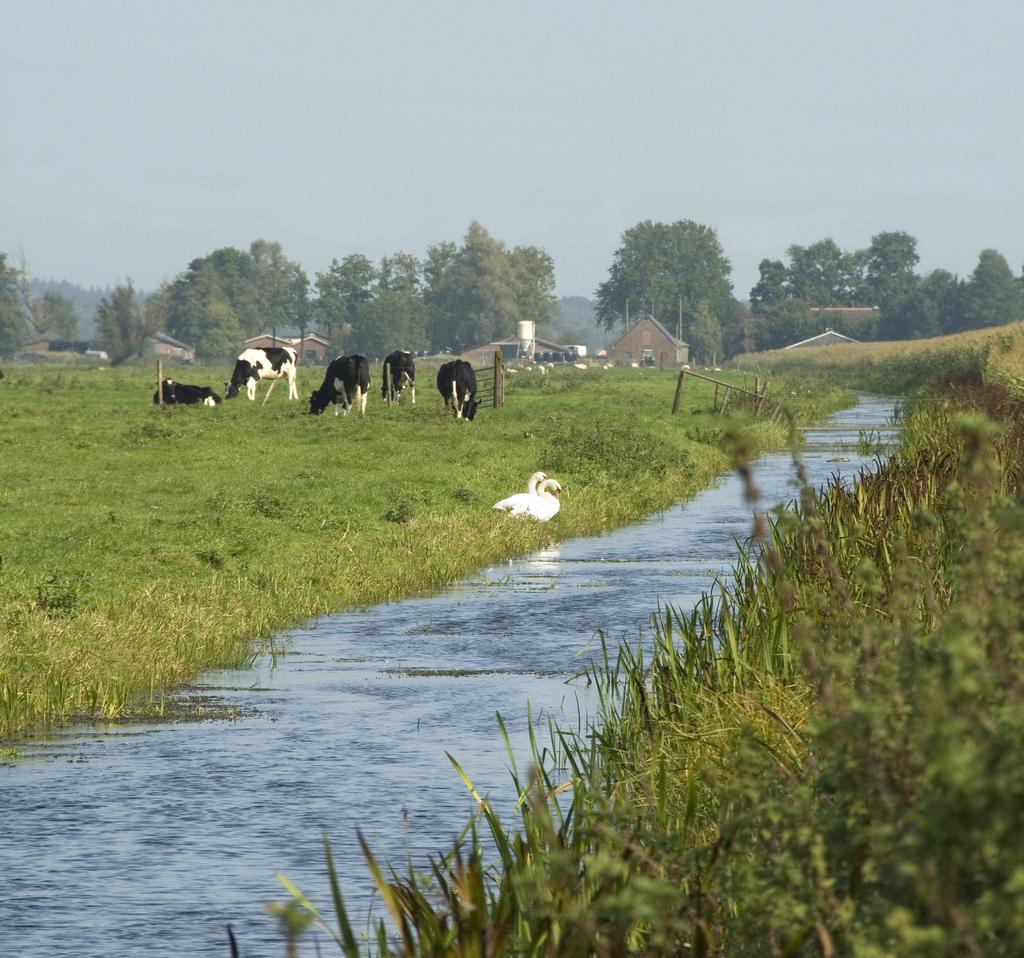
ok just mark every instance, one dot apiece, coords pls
pixel 456 408
pixel 293 389
pixel 250 390
pixel 339 386
pixel 361 395
pixel 412 389
pixel 270 389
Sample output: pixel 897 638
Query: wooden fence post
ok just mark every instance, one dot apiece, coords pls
pixel 679 392
pixel 499 381
pixel 160 380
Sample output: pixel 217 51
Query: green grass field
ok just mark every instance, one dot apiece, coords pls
pixel 139 545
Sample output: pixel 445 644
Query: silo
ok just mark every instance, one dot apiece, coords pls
pixel 527 332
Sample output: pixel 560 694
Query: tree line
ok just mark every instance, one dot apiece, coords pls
pixel 678 272
pixel 459 295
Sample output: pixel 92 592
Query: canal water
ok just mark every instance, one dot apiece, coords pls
pixel 123 841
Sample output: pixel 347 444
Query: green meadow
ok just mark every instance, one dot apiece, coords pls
pixel 139 545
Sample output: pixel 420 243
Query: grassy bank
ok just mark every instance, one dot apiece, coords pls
pixel 139 545
pixel 993 354
pixel 828 762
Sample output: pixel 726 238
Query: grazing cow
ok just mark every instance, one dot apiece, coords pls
pixel 403 373
pixel 180 394
pixel 268 362
pixel 347 379
pixel 456 382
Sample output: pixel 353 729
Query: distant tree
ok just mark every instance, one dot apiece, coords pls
pixel 393 319
pixel 121 325
pixel 785 323
pixel 738 335
pixel 341 290
pixel 890 276
pixel 13 321
pixel 818 274
pixel 475 296
pixel 665 268
pixel 772 287
pixel 533 273
pixel 282 288
pixel 55 311
pixel 935 307
pixel 400 273
pixel 706 336
pixel 993 296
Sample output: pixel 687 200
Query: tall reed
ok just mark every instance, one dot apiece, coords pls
pixel 824 759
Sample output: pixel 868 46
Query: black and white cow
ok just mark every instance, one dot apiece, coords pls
pixel 403 373
pixel 182 394
pixel 347 380
pixel 456 382
pixel 268 362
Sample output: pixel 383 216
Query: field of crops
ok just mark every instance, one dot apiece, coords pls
pixel 995 354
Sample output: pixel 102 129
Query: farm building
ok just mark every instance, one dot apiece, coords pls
pixel 315 351
pixel 511 350
pixel 648 343
pixel 828 338
pixel 162 346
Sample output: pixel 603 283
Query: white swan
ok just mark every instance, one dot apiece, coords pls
pixel 521 500
pixel 542 505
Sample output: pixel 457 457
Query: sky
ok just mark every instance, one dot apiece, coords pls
pixel 137 135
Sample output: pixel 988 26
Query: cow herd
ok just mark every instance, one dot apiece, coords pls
pixel 346 382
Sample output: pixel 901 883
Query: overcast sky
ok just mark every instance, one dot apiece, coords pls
pixel 139 135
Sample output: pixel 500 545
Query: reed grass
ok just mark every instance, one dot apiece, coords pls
pixel 826 759
pixel 140 545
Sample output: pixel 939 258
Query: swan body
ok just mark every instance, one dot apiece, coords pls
pixel 521 500
pixel 541 502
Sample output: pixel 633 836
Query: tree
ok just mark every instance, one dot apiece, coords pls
pixel 993 296
pixel 784 323
pixel 819 274
pixel 281 287
pixel 889 275
pixel 772 287
pixel 341 290
pixel 54 311
pixel 737 324
pixel 394 319
pixel 13 321
pixel 399 273
pixel 663 268
pixel 122 328
pixel 533 273
pixel 706 336
pixel 475 294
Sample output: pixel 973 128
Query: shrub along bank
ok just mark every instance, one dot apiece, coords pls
pixel 139 545
pixel 830 761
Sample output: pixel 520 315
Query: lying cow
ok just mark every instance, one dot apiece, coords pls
pixel 348 380
pixel 403 373
pixel 181 394
pixel 269 362
pixel 456 382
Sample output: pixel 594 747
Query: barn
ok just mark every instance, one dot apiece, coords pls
pixel 648 343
